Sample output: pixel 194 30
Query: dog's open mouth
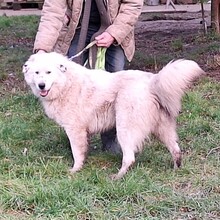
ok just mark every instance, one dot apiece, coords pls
pixel 44 93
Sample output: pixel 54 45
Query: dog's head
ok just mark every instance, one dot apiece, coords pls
pixel 43 71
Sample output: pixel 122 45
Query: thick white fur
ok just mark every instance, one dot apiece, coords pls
pixel 85 101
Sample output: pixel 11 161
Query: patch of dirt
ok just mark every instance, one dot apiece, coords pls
pixel 178 35
pixel 214 74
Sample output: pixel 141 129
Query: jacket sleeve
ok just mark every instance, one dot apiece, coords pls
pixel 51 22
pixel 124 22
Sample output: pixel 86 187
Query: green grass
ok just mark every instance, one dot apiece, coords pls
pixel 36 185
pixel 20 26
pixel 16 41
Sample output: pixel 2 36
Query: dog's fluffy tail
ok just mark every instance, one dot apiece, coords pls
pixel 172 81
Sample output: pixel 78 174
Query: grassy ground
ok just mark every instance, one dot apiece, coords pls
pixel 35 156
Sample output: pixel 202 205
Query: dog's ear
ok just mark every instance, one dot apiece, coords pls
pixel 25 68
pixel 62 68
pixel 32 57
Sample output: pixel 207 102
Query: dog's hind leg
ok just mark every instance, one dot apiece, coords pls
pixel 79 146
pixel 166 132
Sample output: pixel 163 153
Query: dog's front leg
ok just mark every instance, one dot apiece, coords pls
pixel 127 162
pixel 79 147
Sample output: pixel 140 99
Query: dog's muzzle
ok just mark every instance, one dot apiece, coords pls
pixel 43 92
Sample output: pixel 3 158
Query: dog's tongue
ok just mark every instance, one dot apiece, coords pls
pixel 43 93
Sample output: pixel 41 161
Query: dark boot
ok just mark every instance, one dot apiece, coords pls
pixel 110 143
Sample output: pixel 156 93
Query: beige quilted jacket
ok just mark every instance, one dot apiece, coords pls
pixel 55 33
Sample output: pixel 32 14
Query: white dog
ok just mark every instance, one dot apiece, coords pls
pixel 85 101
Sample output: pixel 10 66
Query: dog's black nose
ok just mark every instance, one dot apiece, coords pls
pixel 41 86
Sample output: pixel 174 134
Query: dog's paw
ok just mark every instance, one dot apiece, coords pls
pixel 72 171
pixel 75 169
pixel 116 176
pixel 178 161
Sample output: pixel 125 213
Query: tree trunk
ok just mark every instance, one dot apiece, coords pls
pixel 215 15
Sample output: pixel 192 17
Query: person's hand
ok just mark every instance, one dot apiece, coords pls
pixel 104 40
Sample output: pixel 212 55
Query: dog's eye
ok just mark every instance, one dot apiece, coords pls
pixel 48 72
pixel 37 72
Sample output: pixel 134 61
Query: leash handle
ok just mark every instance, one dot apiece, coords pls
pixel 83 50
